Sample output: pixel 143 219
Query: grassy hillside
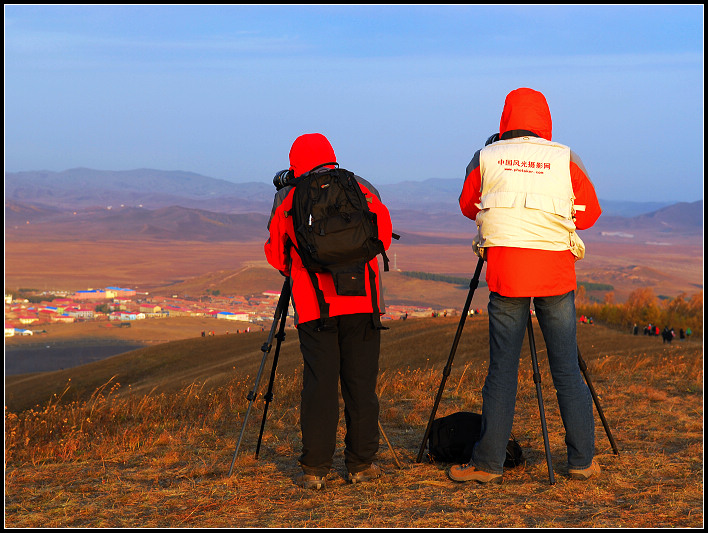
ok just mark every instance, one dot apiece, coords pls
pixel 216 361
pixel 146 439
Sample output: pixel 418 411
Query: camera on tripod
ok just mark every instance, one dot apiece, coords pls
pixel 492 139
pixel 282 178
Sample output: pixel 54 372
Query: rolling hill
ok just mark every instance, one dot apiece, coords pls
pixel 214 361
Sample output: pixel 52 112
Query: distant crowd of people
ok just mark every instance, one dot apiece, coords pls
pixel 436 314
pixel 667 334
pixel 211 333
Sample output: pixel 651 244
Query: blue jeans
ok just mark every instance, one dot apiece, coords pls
pixel 508 318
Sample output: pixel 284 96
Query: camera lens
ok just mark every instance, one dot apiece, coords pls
pixel 281 178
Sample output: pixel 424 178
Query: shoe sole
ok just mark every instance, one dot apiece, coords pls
pixel 314 485
pixel 496 480
pixel 360 478
pixel 311 484
pixel 581 477
pixel 355 480
pixel 493 481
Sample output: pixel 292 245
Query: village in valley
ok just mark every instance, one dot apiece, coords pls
pixel 26 314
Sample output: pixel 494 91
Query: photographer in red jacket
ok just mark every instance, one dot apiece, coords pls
pixel 346 348
pixel 528 195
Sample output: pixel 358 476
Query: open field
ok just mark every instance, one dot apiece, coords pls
pixel 77 265
pixel 152 331
pixel 160 265
pixel 145 439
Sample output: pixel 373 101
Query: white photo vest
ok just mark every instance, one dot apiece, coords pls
pixel 527 197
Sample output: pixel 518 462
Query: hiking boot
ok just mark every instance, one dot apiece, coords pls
pixel 310 481
pixel 374 471
pixel 585 473
pixel 470 473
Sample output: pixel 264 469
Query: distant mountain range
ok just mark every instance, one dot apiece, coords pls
pixel 151 189
pixel 165 223
pixel 158 204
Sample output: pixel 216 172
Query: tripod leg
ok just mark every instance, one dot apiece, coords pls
pixel 446 371
pixel 395 457
pixel 282 305
pixel 583 368
pixel 269 395
pixel 537 381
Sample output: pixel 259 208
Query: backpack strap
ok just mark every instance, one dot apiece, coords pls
pixel 385 260
pixel 375 312
pixel 323 305
pixel 382 250
pixel 293 182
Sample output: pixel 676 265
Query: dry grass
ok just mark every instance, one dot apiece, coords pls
pixel 59 264
pixel 114 458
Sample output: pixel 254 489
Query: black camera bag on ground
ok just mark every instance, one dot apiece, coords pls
pixel 336 232
pixel 453 437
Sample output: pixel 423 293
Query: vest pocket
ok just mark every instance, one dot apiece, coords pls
pixel 540 202
pixel 502 199
pixel 549 204
pixel 577 246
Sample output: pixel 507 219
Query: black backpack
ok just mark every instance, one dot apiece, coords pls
pixel 453 437
pixel 336 232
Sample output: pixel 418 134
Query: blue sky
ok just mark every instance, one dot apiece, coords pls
pixel 403 92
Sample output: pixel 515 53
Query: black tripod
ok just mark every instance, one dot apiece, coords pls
pixel 446 371
pixel 536 377
pixel 537 381
pixel 281 313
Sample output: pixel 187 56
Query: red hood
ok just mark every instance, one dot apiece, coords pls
pixel 526 109
pixel 308 151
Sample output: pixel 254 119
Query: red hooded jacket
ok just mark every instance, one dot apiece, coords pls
pixel 307 152
pixel 520 272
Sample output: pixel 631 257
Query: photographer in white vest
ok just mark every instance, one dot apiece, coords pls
pixel 528 195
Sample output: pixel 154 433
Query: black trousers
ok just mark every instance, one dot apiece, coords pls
pixel 346 351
